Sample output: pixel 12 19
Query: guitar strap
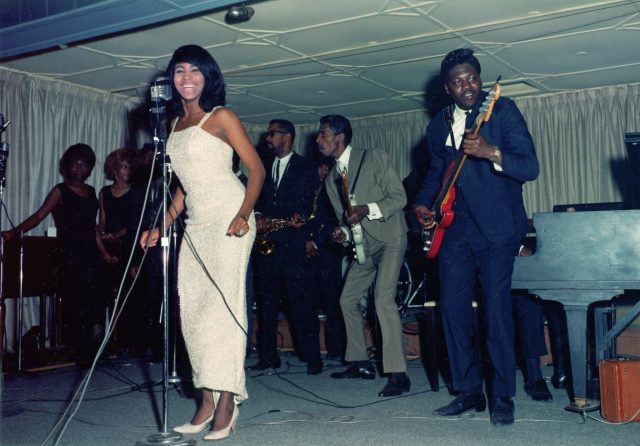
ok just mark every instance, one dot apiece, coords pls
pixel 448 119
pixel 355 180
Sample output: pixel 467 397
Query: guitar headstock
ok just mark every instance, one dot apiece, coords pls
pixel 487 106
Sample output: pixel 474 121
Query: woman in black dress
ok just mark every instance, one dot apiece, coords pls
pixel 74 207
pixel 120 206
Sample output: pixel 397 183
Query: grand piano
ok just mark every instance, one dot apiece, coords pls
pixel 582 258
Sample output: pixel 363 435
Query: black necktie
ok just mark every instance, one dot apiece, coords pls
pixel 276 178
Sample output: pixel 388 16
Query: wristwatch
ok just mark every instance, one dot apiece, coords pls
pixel 496 154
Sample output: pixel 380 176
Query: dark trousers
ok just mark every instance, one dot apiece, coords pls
pixel 82 287
pixel 557 323
pixel 282 275
pixel 529 324
pixel 326 271
pixel 466 259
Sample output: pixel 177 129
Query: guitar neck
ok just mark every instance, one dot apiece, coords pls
pixel 454 171
pixel 345 192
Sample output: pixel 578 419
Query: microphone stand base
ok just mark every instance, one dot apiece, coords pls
pixel 169 438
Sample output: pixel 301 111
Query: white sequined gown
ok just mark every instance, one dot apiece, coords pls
pixel 214 341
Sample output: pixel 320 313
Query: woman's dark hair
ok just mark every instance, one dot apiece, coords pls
pixel 458 57
pixel 213 93
pixel 339 124
pixel 74 153
pixel 117 157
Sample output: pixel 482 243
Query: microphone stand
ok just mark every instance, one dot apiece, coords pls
pixel 20 300
pixel 165 437
pixel 173 375
pixel 8 409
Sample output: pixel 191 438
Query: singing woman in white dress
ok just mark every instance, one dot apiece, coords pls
pixel 219 234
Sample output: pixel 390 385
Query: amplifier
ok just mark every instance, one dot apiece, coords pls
pixel 620 390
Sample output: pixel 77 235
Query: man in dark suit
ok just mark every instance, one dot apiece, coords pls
pixel 483 240
pixel 287 197
pixel 380 198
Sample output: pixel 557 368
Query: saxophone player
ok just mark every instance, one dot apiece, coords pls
pixel 287 196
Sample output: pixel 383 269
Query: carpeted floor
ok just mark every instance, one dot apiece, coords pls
pixel 123 405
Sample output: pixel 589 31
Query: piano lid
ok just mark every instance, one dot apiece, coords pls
pixel 582 250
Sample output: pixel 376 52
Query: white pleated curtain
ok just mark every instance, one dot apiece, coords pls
pixel 46 118
pixel 579 138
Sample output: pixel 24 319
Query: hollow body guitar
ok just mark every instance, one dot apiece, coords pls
pixel 357 235
pixel 443 205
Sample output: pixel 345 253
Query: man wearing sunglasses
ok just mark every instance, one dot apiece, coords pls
pixel 282 212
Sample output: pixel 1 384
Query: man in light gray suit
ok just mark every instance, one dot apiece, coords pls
pixel 379 199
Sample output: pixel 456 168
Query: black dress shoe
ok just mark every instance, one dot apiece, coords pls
pixel 397 384
pixel 314 367
pixel 356 371
pixel 502 410
pixel 559 381
pixel 264 365
pixel 464 402
pixel 538 390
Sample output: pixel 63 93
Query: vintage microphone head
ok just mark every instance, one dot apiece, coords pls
pixel 161 94
pixel 161 89
pixel 3 124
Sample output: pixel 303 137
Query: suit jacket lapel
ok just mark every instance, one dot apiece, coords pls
pixel 286 175
pixel 354 164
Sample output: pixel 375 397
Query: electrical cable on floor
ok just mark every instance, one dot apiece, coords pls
pixel 110 326
pixel 603 421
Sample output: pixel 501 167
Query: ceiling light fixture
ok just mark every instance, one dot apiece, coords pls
pixel 237 14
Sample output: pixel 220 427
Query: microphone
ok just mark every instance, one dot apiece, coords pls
pixel 161 89
pixel 3 124
pixel 161 92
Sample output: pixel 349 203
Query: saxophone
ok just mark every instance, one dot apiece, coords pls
pixel 264 245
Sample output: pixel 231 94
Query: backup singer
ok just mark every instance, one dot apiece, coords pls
pixel 219 233
pixel 483 240
pixel 74 207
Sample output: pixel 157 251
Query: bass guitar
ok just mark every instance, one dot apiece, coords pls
pixel 357 237
pixel 442 206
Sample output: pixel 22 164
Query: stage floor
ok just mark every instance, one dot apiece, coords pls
pixel 123 405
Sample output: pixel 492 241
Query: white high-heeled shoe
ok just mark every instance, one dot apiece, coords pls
pixel 189 428
pixel 223 433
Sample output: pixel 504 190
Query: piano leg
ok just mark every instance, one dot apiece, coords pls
pixel 577 332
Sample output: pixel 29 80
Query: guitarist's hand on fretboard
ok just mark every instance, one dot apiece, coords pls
pixel 425 216
pixel 358 213
pixel 475 145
